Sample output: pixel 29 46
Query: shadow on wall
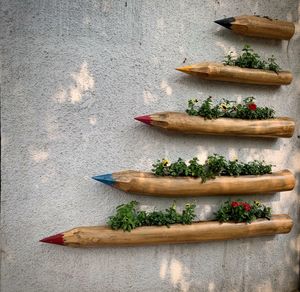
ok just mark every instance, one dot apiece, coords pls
pixel 245 255
pixel 173 269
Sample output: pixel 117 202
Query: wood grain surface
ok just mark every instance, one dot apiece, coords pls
pixel 196 232
pixel 254 26
pixel 182 122
pixel 146 183
pixel 221 72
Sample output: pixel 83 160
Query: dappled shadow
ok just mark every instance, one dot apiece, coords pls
pixel 73 77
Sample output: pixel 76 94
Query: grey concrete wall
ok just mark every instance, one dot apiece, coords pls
pixel 73 76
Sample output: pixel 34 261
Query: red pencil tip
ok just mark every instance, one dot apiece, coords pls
pixel 144 119
pixel 54 239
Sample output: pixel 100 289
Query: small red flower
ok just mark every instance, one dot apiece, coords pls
pixel 247 207
pixel 252 106
pixel 235 204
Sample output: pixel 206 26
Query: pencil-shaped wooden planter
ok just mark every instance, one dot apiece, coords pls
pixel 146 183
pixel 184 123
pixel 256 26
pixel 150 235
pixel 221 72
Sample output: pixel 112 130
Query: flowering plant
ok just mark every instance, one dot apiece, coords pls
pixel 250 59
pixel 247 110
pixel 128 216
pixel 215 165
pixel 239 211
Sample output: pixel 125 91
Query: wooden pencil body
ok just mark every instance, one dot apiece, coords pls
pixel 221 72
pixel 263 27
pixel 146 183
pixel 184 123
pixel 196 232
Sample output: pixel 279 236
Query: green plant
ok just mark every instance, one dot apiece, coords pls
pixel 250 59
pixel 125 217
pixel 215 165
pixel 247 110
pixel 128 217
pixel 239 211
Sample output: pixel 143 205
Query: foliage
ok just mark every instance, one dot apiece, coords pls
pixel 128 217
pixel 215 165
pixel 239 211
pixel 250 59
pixel 247 110
pixel 125 217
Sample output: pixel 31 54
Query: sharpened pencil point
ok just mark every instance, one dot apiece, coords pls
pixel 105 178
pixel 144 119
pixel 54 239
pixel 226 22
pixel 183 69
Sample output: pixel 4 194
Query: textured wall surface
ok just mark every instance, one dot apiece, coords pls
pixel 73 76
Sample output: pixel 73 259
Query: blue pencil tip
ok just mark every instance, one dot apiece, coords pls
pixel 105 178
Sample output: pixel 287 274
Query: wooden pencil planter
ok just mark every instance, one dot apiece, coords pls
pixel 184 123
pixel 146 183
pixel 150 235
pixel 221 72
pixel 256 26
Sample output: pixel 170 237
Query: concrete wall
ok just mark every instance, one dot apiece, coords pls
pixel 73 76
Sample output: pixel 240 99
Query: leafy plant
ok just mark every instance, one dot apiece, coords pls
pixel 128 217
pixel 239 211
pixel 215 165
pixel 250 59
pixel 247 110
pixel 125 218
